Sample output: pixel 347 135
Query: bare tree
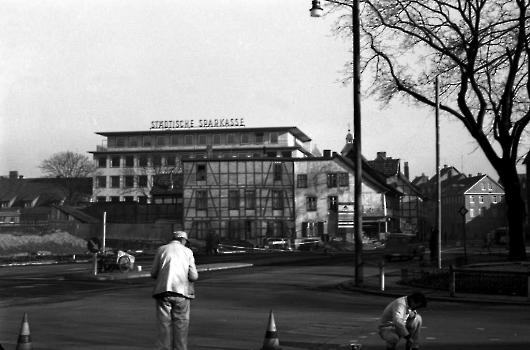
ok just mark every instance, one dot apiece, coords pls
pixel 67 164
pixel 73 173
pixel 479 51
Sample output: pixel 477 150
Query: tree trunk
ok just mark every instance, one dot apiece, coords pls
pixel 515 213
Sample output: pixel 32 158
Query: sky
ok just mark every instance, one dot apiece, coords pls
pixel 71 68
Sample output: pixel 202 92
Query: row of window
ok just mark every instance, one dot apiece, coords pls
pixel 191 140
pixel 131 161
pixel 129 181
pixel 333 179
pixel 234 201
pixel 481 199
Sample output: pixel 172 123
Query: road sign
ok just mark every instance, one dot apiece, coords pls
pixel 94 245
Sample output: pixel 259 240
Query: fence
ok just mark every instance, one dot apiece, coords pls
pixel 471 279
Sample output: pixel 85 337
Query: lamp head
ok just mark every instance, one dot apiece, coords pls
pixel 316 10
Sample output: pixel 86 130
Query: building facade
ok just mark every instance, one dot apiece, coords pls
pixel 130 164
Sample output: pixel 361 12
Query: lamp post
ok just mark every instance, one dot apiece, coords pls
pixel 317 11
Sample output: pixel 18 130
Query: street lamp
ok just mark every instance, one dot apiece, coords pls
pixel 317 11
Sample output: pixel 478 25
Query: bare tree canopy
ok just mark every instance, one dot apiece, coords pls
pixel 479 51
pixel 68 165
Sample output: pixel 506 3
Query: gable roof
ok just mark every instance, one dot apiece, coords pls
pixel 78 214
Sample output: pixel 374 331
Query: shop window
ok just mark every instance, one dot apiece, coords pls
pixel 128 181
pixel 115 199
pixel 142 181
pixel 120 142
pixel 133 141
pixel 233 199
pixel 201 172
pixel 115 182
pixel 301 181
pixel 277 171
pixel 311 203
pixel 147 141
pixel 332 180
pixel 115 161
pixel 129 161
pixel 277 199
pixel 102 181
pixel 333 203
pixel 201 199
pixel 250 199
pixel 344 179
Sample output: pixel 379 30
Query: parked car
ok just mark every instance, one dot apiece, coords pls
pixel 277 243
pixel 403 245
pixel 309 244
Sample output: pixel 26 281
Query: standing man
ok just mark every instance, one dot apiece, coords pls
pixel 401 320
pixel 174 271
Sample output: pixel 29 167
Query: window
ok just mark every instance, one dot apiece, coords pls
pixel 482 186
pixel 230 139
pixel 490 187
pixel 471 199
pixel 133 141
pixel 174 140
pixel 170 160
pixel 311 203
pixel 143 161
pixel 101 181
pixel 114 181
pixel 160 140
pixel 242 155
pixel 128 181
pixel 250 199
pixel 301 181
pixel 199 155
pixel 129 161
pixel 287 154
pixel 277 199
pixel 202 140
pixel 188 140
pixel 120 142
pixel 481 199
pixel 201 172
pixel 147 141
pixel 333 203
pixel 494 199
pixel 332 180
pixel 271 154
pixel 233 199
pixel 277 171
pixel 102 162
pixel 157 160
pixel 4 204
pixel 344 179
pixel 142 199
pixel 28 204
pixel 259 137
pixel 245 138
pixel 101 199
pixel 114 199
pixel 471 213
pixel 202 199
pixel 273 137
pixel 128 198
pixel 216 139
pixel 142 181
pixel 115 162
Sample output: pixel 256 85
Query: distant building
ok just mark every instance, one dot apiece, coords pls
pixel 474 201
pixel 412 212
pixel 142 166
pixel 29 202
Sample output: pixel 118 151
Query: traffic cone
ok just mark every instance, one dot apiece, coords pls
pixel 271 341
pixel 24 338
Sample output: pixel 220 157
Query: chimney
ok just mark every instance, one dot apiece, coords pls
pixel 407 170
pixel 479 174
pixel 327 153
pixel 381 155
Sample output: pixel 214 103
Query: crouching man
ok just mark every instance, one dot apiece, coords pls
pixel 400 319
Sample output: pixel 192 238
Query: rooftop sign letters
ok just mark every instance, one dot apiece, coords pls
pixel 196 124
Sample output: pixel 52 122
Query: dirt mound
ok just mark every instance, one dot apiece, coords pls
pixel 56 242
